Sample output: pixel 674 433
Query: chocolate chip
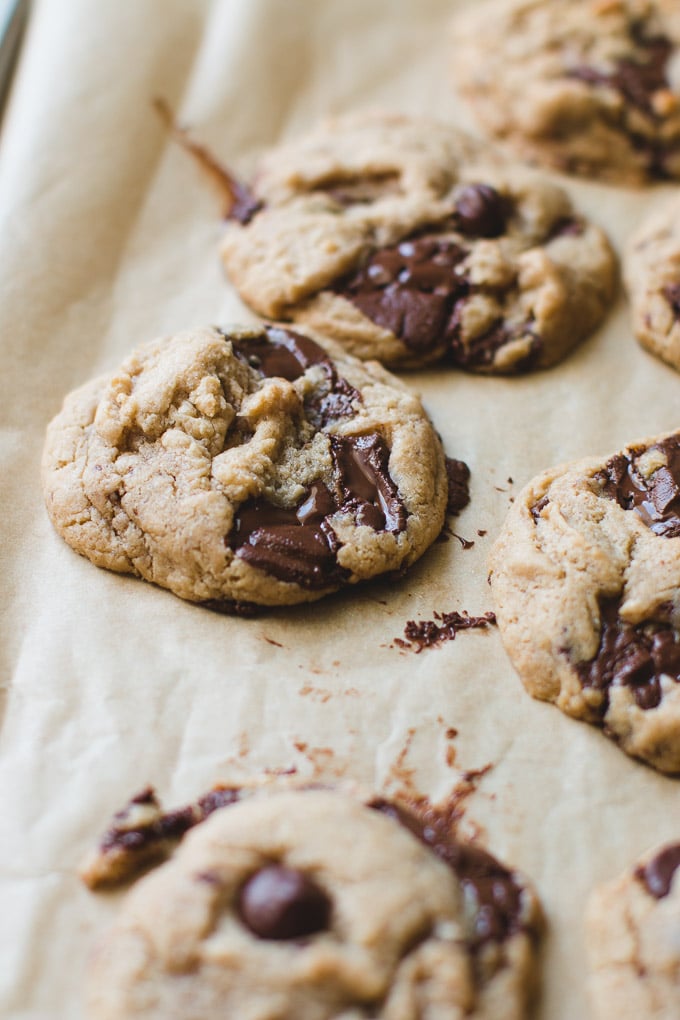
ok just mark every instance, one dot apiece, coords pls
pixel 480 211
pixel 657 875
pixel 282 903
pixel 536 509
pixel 634 656
pixel 655 498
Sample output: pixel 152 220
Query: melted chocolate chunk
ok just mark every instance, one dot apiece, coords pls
pixel 637 80
pixel 361 464
pixel 631 656
pixel 283 903
pixel 496 894
pixel 417 290
pixel 299 545
pixel 296 545
pixel 171 825
pixel 458 476
pixel 656 498
pixel 480 211
pixel 657 875
pixel 410 289
pixel 288 355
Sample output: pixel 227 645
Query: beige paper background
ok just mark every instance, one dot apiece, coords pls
pixel 108 238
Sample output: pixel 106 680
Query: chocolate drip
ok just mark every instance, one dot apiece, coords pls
pixel 299 544
pixel 634 656
pixel 657 875
pixel 288 355
pixel 636 80
pixel 656 499
pixel 283 903
pixel 496 894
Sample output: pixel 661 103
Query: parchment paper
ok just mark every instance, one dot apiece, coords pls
pixel 108 237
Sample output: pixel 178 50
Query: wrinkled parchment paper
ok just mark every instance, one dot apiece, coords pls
pixel 109 238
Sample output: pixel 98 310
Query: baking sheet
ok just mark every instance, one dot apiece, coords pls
pixel 108 238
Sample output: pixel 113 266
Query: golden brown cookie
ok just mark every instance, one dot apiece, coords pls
pixel 247 466
pixel 633 929
pixel 407 241
pixel 313 904
pixel 586 580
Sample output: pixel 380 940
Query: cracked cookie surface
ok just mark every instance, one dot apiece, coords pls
pixel 586 582
pixel 586 86
pixel 407 241
pixel 245 467
pixel 652 274
pixel 311 904
pixel 633 929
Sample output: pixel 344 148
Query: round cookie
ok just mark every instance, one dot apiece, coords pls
pixel 633 929
pixel 586 580
pixel 407 241
pixel 308 904
pixel 245 467
pixel 652 274
pixel 586 86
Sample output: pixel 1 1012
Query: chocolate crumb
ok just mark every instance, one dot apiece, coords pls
pixel 658 874
pixel 481 532
pixel 444 627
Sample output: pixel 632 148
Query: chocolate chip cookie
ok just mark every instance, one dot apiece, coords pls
pixel 406 241
pixel 313 904
pixel 586 86
pixel 586 580
pixel 247 466
pixel 652 273
pixel 633 927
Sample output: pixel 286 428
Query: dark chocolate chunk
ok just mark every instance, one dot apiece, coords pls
pixel 282 903
pixel 299 545
pixel 495 892
pixel 458 476
pixel 284 353
pixel 361 464
pixel 410 289
pixel 656 498
pixel 657 875
pixel 480 211
pixel 417 290
pixel 636 79
pixel 634 656
pixel 296 545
